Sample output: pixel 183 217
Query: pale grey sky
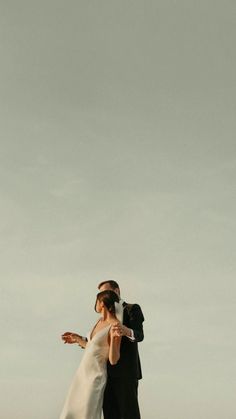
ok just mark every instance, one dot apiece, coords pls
pixel 118 160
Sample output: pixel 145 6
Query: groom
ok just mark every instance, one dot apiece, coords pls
pixel 121 392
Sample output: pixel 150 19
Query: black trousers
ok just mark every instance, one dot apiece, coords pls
pixel 121 399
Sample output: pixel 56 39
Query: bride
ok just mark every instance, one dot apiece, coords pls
pixel 85 396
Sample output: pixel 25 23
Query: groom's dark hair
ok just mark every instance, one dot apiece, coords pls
pixel 113 284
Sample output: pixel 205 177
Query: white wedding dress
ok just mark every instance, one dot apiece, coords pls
pixel 85 396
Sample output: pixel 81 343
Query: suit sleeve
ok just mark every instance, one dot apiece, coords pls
pixel 136 320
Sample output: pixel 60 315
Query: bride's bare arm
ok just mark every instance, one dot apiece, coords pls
pixel 114 350
pixel 70 337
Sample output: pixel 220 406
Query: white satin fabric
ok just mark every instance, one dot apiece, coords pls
pixel 85 396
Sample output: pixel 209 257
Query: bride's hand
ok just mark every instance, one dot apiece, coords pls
pixel 115 330
pixel 70 337
pixel 122 330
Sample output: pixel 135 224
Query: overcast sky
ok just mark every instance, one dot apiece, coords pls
pixel 118 160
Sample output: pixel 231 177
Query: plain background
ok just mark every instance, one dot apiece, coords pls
pixel 118 160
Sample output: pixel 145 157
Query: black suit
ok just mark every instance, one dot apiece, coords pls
pixel 121 393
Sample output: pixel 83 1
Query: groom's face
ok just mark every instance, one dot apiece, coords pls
pixel 107 287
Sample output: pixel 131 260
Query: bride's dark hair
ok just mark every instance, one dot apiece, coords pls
pixel 109 298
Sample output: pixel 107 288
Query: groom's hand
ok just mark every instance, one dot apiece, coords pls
pixel 122 330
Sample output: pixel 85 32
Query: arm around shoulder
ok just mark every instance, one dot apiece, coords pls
pixel 136 319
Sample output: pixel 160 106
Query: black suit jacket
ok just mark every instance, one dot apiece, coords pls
pixel 129 363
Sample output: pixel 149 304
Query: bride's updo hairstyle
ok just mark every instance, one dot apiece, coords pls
pixel 109 298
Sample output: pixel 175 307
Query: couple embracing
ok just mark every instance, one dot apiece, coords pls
pixel 107 377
